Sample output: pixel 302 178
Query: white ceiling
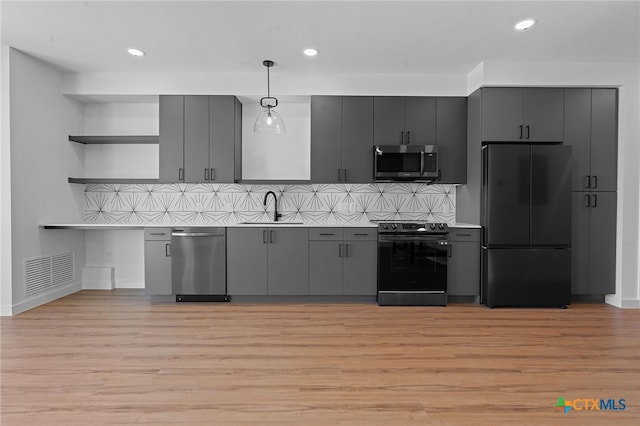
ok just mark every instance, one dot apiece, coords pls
pixel 382 37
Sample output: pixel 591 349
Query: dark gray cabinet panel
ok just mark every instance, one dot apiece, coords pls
pixel 222 138
pixel 247 261
pixel 171 138
pixel 359 274
pixel 593 243
pixel 325 268
pixel 357 139
pixel 463 268
pixel 451 138
pixel 196 138
pixel 420 120
pixel 522 114
pixel 157 261
pixel 326 138
pixel 577 134
pixel 604 139
pixel 388 120
pixel 288 267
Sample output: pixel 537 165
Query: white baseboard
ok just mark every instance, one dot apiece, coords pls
pixel 129 284
pixel 97 278
pixel 613 300
pixel 41 299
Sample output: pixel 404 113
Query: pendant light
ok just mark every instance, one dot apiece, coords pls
pixel 269 121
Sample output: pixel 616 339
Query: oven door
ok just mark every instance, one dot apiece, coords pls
pixel 412 263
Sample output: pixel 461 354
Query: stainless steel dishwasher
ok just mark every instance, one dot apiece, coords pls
pixel 199 264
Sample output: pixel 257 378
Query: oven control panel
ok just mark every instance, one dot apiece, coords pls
pixel 399 227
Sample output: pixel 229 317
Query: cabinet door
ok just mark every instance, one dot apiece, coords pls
pixel 577 134
pixel 221 138
pixel 502 114
pixel 171 147
pixel 326 136
pixel 288 268
pixel 604 139
pixel 196 138
pixel 237 140
pixel 543 114
pixel 420 120
pixel 157 268
pixel 360 268
pixel 388 120
pixel 463 268
pixel 247 261
pixel 451 138
pixel 580 242
pixel 357 139
pixel 602 243
pixel 325 267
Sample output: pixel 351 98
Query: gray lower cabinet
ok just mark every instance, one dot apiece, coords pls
pixel 157 261
pixel 342 261
pixel 593 245
pixel 267 261
pixel 463 267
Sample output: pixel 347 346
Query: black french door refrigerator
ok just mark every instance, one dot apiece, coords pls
pixel 526 225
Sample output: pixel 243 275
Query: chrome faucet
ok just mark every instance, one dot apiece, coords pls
pixel 276 215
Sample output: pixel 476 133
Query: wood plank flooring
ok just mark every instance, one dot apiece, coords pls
pixel 109 357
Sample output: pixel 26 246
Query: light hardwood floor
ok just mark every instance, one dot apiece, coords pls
pixel 109 357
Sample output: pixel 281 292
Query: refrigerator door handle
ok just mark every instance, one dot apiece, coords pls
pixel 587 200
pixel 595 200
pixel 595 182
pixel 587 181
pixel 520 131
pixel 528 131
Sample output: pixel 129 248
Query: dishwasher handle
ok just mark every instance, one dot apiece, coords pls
pixel 196 234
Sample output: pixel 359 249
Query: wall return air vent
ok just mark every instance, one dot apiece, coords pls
pixel 43 273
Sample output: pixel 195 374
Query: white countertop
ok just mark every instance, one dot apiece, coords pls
pixel 126 226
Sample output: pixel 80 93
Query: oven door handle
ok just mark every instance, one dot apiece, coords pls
pixel 420 238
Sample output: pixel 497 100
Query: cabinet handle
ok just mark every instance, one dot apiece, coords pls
pixel 206 174
pixel 402 137
pixel 212 174
pixel 339 175
pixel 587 181
pixel 339 250
pixel 345 171
pixel 463 235
pixel 528 132
pixel 360 235
pixel 325 233
pixel 595 200
pixel 449 250
pixel 408 137
pixel 595 182
pixel 157 233
pixel 270 237
pixel 167 250
pixel 180 174
pixel 520 131
pixel 347 250
pixel 264 237
pixel 587 200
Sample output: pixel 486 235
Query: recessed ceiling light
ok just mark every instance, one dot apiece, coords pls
pixel 135 52
pixel 525 24
pixel 310 51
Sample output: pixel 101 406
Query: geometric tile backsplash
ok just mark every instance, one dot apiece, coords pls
pixel 224 204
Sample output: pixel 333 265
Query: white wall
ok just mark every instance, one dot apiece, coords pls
pixel 5 187
pixel 42 159
pixel 625 76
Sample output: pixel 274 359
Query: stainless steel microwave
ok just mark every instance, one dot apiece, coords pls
pixel 405 162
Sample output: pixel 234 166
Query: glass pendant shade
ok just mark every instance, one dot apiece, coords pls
pixel 269 122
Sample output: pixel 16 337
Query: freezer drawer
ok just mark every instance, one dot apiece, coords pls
pixel 198 261
pixel 526 277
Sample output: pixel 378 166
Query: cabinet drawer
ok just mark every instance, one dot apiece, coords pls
pixel 464 234
pixel 157 234
pixel 325 234
pixel 364 234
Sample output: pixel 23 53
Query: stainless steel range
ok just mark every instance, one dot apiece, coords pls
pixel 412 263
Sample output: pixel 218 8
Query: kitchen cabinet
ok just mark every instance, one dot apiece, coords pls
pixel 200 139
pixel 404 120
pixel 157 261
pixel 341 139
pixel 591 127
pixel 593 245
pixel 463 267
pixel 451 139
pixel 267 261
pixel 516 114
pixel 342 261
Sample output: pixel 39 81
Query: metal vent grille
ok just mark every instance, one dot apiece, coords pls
pixel 42 273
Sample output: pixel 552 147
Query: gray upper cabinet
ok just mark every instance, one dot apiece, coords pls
pixel 404 120
pixel 591 129
pixel 518 114
pixel 200 139
pixel 451 138
pixel 341 139
pixel 267 261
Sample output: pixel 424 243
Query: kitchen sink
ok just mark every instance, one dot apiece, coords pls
pixel 271 223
